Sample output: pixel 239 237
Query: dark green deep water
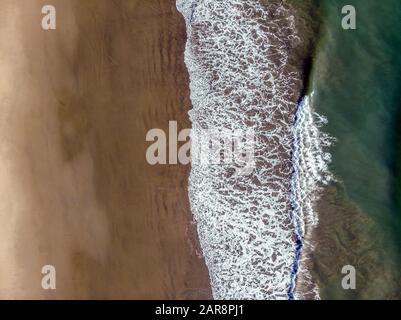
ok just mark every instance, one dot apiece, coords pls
pixel 356 78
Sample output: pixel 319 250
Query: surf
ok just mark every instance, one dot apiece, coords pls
pixel 251 228
pixel 311 172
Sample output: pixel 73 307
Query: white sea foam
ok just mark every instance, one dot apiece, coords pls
pixel 310 173
pixel 237 58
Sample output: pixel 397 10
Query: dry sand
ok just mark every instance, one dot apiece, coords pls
pixel 76 190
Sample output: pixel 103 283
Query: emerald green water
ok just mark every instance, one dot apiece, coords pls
pixel 356 79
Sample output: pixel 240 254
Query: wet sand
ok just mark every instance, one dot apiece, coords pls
pixel 76 190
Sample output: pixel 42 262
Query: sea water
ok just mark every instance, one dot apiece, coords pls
pixel 356 78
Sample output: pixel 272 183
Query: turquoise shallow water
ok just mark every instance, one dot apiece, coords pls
pixel 357 83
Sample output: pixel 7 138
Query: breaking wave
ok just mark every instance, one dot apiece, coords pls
pixel 310 173
pixel 251 227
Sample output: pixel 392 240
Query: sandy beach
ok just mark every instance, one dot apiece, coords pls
pixel 76 190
